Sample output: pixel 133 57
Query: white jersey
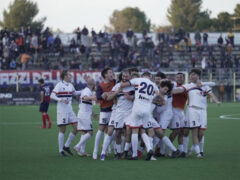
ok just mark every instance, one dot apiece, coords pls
pixel 85 106
pixel 64 90
pixel 197 95
pixel 165 106
pixel 124 104
pixel 144 93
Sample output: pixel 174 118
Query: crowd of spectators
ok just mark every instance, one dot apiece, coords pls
pixel 33 48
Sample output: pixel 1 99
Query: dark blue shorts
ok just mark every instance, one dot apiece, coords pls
pixel 44 107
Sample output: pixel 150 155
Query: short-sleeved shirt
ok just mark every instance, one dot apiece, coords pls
pixel 197 95
pixel 124 104
pixel 64 90
pixel 85 106
pixel 144 92
pixel 46 90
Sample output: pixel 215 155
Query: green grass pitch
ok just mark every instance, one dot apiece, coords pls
pixel 30 153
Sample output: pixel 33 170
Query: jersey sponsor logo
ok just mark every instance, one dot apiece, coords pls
pixel 142 97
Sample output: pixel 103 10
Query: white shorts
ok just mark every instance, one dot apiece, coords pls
pixel 66 118
pixel 139 118
pixel 165 118
pixel 84 122
pixel 186 121
pixel 104 118
pixel 112 118
pixel 178 119
pixel 197 118
pixel 155 124
pixel 120 119
pixel 127 120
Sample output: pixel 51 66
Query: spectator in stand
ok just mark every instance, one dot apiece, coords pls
pixel 194 60
pixel 150 48
pixel 236 62
pixel 46 33
pixel 189 42
pixel 73 47
pixel 94 36
pixel 213 63
pixel 34 43
pixel 130 35
pixel 22 31
pixel 231 37
pixel 78 32
pixel 205 39
pixel 229 50
pixel 57 44
pixel 28 31
pixel 210 50
pixel 220 41
pixel 181 34
pixel 13 64
pixel 84 36
pixel 144 34
pixel 197 37
pixel 221 92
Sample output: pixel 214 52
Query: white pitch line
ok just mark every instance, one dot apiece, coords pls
pixel 230 116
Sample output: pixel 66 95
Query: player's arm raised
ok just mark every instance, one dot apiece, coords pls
pixel 214 98
pixel 125 84
pixel 90 98
pixel 178 90
pixel 200 83
pixel 113 94
pixel 76 93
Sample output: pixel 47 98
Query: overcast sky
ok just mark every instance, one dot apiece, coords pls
pixel 69 14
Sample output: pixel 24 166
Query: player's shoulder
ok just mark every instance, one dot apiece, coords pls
pixel 116 85
pixel 206 88
pixel 86 90
pixel 189 85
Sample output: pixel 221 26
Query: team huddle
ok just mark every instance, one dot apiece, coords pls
pixel 135 113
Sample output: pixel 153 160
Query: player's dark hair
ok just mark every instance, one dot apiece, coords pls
pixel 148 74
pixel 133 69
pixel 135 74
pixel 180 73
pixel 168 84
pixel 119 77
pixel 41 81
pixel 63 74
pixel 104 71
pixel 161 75
pixel 196 71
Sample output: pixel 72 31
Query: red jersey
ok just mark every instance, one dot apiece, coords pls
pixel 105 87
pixel 179 100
